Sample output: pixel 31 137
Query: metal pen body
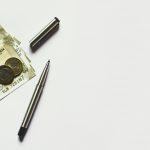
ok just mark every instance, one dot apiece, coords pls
pixel 33 103
pixel 32 106
pixel 44 34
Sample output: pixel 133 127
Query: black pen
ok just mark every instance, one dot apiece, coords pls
pixel 33 103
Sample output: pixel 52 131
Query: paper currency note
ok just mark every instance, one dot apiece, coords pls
pixel 10 48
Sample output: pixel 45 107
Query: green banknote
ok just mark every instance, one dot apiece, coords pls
pixel 10 49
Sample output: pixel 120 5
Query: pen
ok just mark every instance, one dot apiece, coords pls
pixel 33 103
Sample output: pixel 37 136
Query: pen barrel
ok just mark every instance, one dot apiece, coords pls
pixel 32 106
pixel 34 102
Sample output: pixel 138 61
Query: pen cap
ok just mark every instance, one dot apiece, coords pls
pixel 44 34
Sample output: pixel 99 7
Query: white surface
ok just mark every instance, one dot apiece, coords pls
pixel 97 96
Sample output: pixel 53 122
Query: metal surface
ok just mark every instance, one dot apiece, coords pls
pixel 44 34
pixel 34 101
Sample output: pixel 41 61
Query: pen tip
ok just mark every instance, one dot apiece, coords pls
pixel 49 61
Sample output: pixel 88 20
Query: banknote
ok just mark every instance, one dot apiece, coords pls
pixel 10 48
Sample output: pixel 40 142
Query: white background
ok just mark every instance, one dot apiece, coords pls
pixel 97 95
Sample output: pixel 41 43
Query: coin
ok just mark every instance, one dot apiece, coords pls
pixel 6 75
pixel 15 64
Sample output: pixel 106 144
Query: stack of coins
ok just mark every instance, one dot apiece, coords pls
pixel 13 67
